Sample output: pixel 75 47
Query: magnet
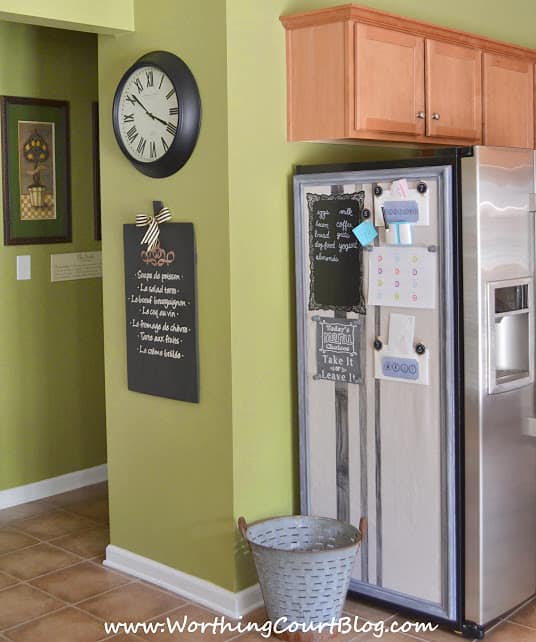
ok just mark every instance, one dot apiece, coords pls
pixel 378 191
pixel 422 187
pixel 420 348
pixel 366 213
pixel 378 343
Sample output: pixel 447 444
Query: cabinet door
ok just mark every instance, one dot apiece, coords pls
pixel 453 91
pixel 508 102
pixel 389 81
pixel 316 96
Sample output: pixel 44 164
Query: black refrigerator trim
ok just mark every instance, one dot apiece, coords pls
pixel 451 157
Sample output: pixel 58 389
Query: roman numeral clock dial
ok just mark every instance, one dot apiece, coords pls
pixel 157 113
pixel 149 114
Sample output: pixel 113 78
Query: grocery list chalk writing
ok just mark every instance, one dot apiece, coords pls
pixel 335 254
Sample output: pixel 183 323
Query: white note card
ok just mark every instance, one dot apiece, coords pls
pixel 400 188
pixel 401 332
pixel 72 266
pixel 402 276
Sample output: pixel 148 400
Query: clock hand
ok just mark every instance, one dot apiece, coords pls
pixel 159 120
pixel 136 99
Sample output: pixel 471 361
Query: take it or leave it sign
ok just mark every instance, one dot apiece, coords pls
pixel 337 349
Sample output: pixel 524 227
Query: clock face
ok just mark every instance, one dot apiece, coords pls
pixel 148 114
pixel 156 114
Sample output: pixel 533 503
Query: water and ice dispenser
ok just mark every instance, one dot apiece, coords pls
pixel 510 356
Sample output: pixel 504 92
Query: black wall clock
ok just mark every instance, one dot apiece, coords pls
pixel 157 114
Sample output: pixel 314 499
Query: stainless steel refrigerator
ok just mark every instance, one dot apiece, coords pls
pixel 415 325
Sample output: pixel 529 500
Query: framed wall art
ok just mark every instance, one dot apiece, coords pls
pixel 36 171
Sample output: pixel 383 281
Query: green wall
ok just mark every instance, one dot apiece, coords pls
pixel 180 474
pixel 170 462
pixel 51 371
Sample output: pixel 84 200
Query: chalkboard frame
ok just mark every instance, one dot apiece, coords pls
pixel 312 198
pixel 353 374
pixel 170 378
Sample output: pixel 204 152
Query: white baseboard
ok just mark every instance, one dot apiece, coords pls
pixel 53 486
pixel 215 597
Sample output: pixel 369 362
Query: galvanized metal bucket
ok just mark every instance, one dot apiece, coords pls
pixel 304 565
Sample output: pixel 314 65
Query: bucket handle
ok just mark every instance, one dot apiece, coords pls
pixel 363 525
pixel 243 528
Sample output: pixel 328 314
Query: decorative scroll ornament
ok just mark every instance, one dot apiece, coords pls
pixel 158 256
pixel 153 232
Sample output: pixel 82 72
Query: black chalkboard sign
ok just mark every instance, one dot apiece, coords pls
pixel 335 254
pixel 161 312
pixel 338 355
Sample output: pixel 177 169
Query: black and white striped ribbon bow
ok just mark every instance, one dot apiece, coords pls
pixel 153 232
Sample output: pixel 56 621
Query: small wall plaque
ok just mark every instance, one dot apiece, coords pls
pixel 72 266
pixel 338 356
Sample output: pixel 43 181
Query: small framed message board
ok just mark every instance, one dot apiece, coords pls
pixel 335 254
pixel 338 355
pixel 161 313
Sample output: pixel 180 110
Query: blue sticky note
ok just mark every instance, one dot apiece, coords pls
pixel 365 232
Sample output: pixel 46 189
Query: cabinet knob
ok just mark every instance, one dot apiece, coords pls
pixel 420 114
pixel 435 116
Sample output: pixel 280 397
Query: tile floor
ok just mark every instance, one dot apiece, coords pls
pixel 53 587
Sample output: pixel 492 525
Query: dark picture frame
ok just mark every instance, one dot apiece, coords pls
pixel 36 170
pixel 97 230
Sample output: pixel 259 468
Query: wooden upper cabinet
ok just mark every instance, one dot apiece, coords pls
pixel 316 82
pixel 356 73
pixel 453 91
pixel 508 102
pixel 389 81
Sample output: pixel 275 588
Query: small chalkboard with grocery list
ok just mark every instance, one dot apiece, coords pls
pixel 335 254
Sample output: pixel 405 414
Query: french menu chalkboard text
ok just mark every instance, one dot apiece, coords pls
pixel 161 315
pixel 335 254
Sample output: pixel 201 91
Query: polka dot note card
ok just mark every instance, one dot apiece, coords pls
pixel 403 277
